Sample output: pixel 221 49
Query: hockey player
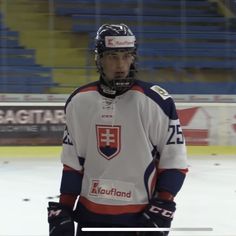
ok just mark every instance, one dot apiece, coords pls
pixel 123 153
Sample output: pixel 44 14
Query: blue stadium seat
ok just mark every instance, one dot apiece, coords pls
pixel 185 35
pixel 17 52
pixel 9 34
pixel 197 64
pixel 156 19
pixel 9 43
pixel 149 12
pixel 23 88
pixel 25 79
pixel 187 52
pixel 196 87
pixel 19 72
pixel 17 61
pixel 26 69
pixel 149 7
pixel 188 45
pixel 89 28
pixel 171 3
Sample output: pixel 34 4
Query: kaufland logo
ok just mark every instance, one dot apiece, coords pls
pixel 119 41
pixel 109 192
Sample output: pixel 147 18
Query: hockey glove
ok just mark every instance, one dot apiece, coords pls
pixel 159 214
pixel 60 220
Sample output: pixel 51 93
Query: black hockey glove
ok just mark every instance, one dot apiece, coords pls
pixel 159 214
pixel 60 219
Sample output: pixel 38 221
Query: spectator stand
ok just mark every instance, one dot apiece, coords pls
pixel 183 36
pixel 19 72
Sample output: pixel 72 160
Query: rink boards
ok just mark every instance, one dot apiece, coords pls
pixel 54 151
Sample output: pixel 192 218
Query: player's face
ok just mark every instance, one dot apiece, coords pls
pixel 116 65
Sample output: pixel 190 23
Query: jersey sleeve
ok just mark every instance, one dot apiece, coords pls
pixel 72 173
pixel 70 155
pixel 168 139
pixel 172 143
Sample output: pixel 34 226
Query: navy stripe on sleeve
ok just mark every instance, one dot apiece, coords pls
pixel 71 182
pixel 170 180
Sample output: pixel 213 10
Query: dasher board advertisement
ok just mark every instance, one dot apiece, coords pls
pixel 31 125
pixel 203 124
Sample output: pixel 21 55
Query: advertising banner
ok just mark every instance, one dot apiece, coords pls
pixel 208 124
pixel 31 125
pixel 203 124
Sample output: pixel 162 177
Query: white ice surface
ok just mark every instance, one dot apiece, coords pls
pixel 207 199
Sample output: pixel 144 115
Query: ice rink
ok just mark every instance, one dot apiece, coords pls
pixel 206 204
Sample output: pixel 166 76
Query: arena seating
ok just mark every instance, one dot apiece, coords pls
pixel 132 7
pixel 202 87
pixel 24 79
pixel 173 34
pixel 183 36
pixel 197 38
pixel 19 72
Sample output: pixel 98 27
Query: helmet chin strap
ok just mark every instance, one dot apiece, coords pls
pixel 118 85
pixel 115 86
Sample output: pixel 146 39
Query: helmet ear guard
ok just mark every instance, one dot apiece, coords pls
pixel 97 62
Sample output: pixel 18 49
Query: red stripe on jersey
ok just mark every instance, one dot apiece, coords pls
pixel 165 196
pixel 68 168
pixel 183 171
pixel 68 199
pixel 137 88
pixel 92 88
pixel 110 209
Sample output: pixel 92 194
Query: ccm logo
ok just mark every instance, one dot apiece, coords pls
pixel 54 213
pixel 164 212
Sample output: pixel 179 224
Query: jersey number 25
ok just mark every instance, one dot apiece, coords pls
pixel 176 135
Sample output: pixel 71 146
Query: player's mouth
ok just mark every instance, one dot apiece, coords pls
pixel 120 75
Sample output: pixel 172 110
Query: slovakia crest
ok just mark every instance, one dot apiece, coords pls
pixel 108 140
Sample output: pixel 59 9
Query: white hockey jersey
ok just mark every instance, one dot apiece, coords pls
pixel 113 141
